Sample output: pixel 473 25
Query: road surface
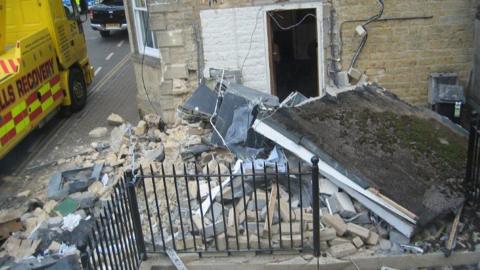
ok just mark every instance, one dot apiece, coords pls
pixel 113 90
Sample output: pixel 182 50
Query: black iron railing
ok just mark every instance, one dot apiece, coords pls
pixel 251 207
pixel 472 178
pixel 262 210
pixel 112 243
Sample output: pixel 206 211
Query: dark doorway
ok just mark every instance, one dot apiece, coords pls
pixel 293 52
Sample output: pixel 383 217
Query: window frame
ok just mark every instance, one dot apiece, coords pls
pixel 142 47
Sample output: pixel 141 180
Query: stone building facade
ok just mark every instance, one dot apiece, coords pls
pixel 412 39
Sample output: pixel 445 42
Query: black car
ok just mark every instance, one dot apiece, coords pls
pixel 107 16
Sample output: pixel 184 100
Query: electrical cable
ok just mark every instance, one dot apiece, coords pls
pixel 365 37
pixel 251 40
pixel 279 26
pixel 147 29
pixel 291 26
pixel 220 95
pixel 376 17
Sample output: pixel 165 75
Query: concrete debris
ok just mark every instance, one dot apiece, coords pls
pixel 344 204
pixel 327 187
pixel 115 120
pixel 154 122
pixel 25 193
pixel 70 222
pixel 342 250
pixel 398 238
pixel 98 132
pixel 335 222
pixel 141 128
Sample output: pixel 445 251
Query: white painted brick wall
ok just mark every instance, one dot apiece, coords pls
pixel 226 40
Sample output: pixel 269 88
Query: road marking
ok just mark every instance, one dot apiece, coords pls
pixel 108 76
pixel 109 56
pixel 120 43
pixel 97 71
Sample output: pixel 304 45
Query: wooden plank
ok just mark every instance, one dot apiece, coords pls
pixel 393 203
pixel 271 208
pixel 450 244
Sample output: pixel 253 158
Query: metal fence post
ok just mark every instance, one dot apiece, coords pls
pixel 471 183
pixel 315 207
pixel 84 256
pixel 137 224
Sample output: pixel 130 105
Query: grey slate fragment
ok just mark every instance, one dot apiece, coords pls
pixel 398 238
pixel 201 103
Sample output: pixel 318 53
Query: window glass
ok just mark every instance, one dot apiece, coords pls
pixel 147 35
pixel 140 3
pixel 68 7
pixel 146 41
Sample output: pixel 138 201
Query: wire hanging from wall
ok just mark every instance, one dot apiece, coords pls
pixel 293 25
pixel 365 37
pixel 147 29
pixel 284 28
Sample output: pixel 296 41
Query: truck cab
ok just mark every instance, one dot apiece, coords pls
pixel 43 64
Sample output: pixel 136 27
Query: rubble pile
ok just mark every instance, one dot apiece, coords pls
pixel 50 228
pixel 198 189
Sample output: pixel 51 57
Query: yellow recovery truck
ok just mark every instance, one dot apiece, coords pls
pixel 43 64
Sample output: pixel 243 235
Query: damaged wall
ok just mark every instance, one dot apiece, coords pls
pixel 171 76
pixel 227 34
pixel 399 54
pixel 237 39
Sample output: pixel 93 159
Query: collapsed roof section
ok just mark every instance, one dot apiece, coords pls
pixel 403 163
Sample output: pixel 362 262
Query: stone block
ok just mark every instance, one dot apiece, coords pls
pixel 372 239
pixel 173 38
pixel 210 231
pixel 344 204
pixel 254 229
pixel 296 227
pixel 358 230
pixel 357 241
pixel 158 21
pixel 342 250
pixel 335 222
pixel 188 242
pixel 327 187
pixel 295 241
pixel 338 241
pixel 176 71
pixel 328 234
pixel 285 212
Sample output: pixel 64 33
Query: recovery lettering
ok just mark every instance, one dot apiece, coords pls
pixel 34 78
pixel 7 97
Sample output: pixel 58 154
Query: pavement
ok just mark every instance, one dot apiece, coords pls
pixel 113 91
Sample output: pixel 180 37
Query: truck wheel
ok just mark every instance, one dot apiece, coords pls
pixel 105 34
pixel 77 89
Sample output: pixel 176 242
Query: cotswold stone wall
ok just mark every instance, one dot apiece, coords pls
pixel 399 54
